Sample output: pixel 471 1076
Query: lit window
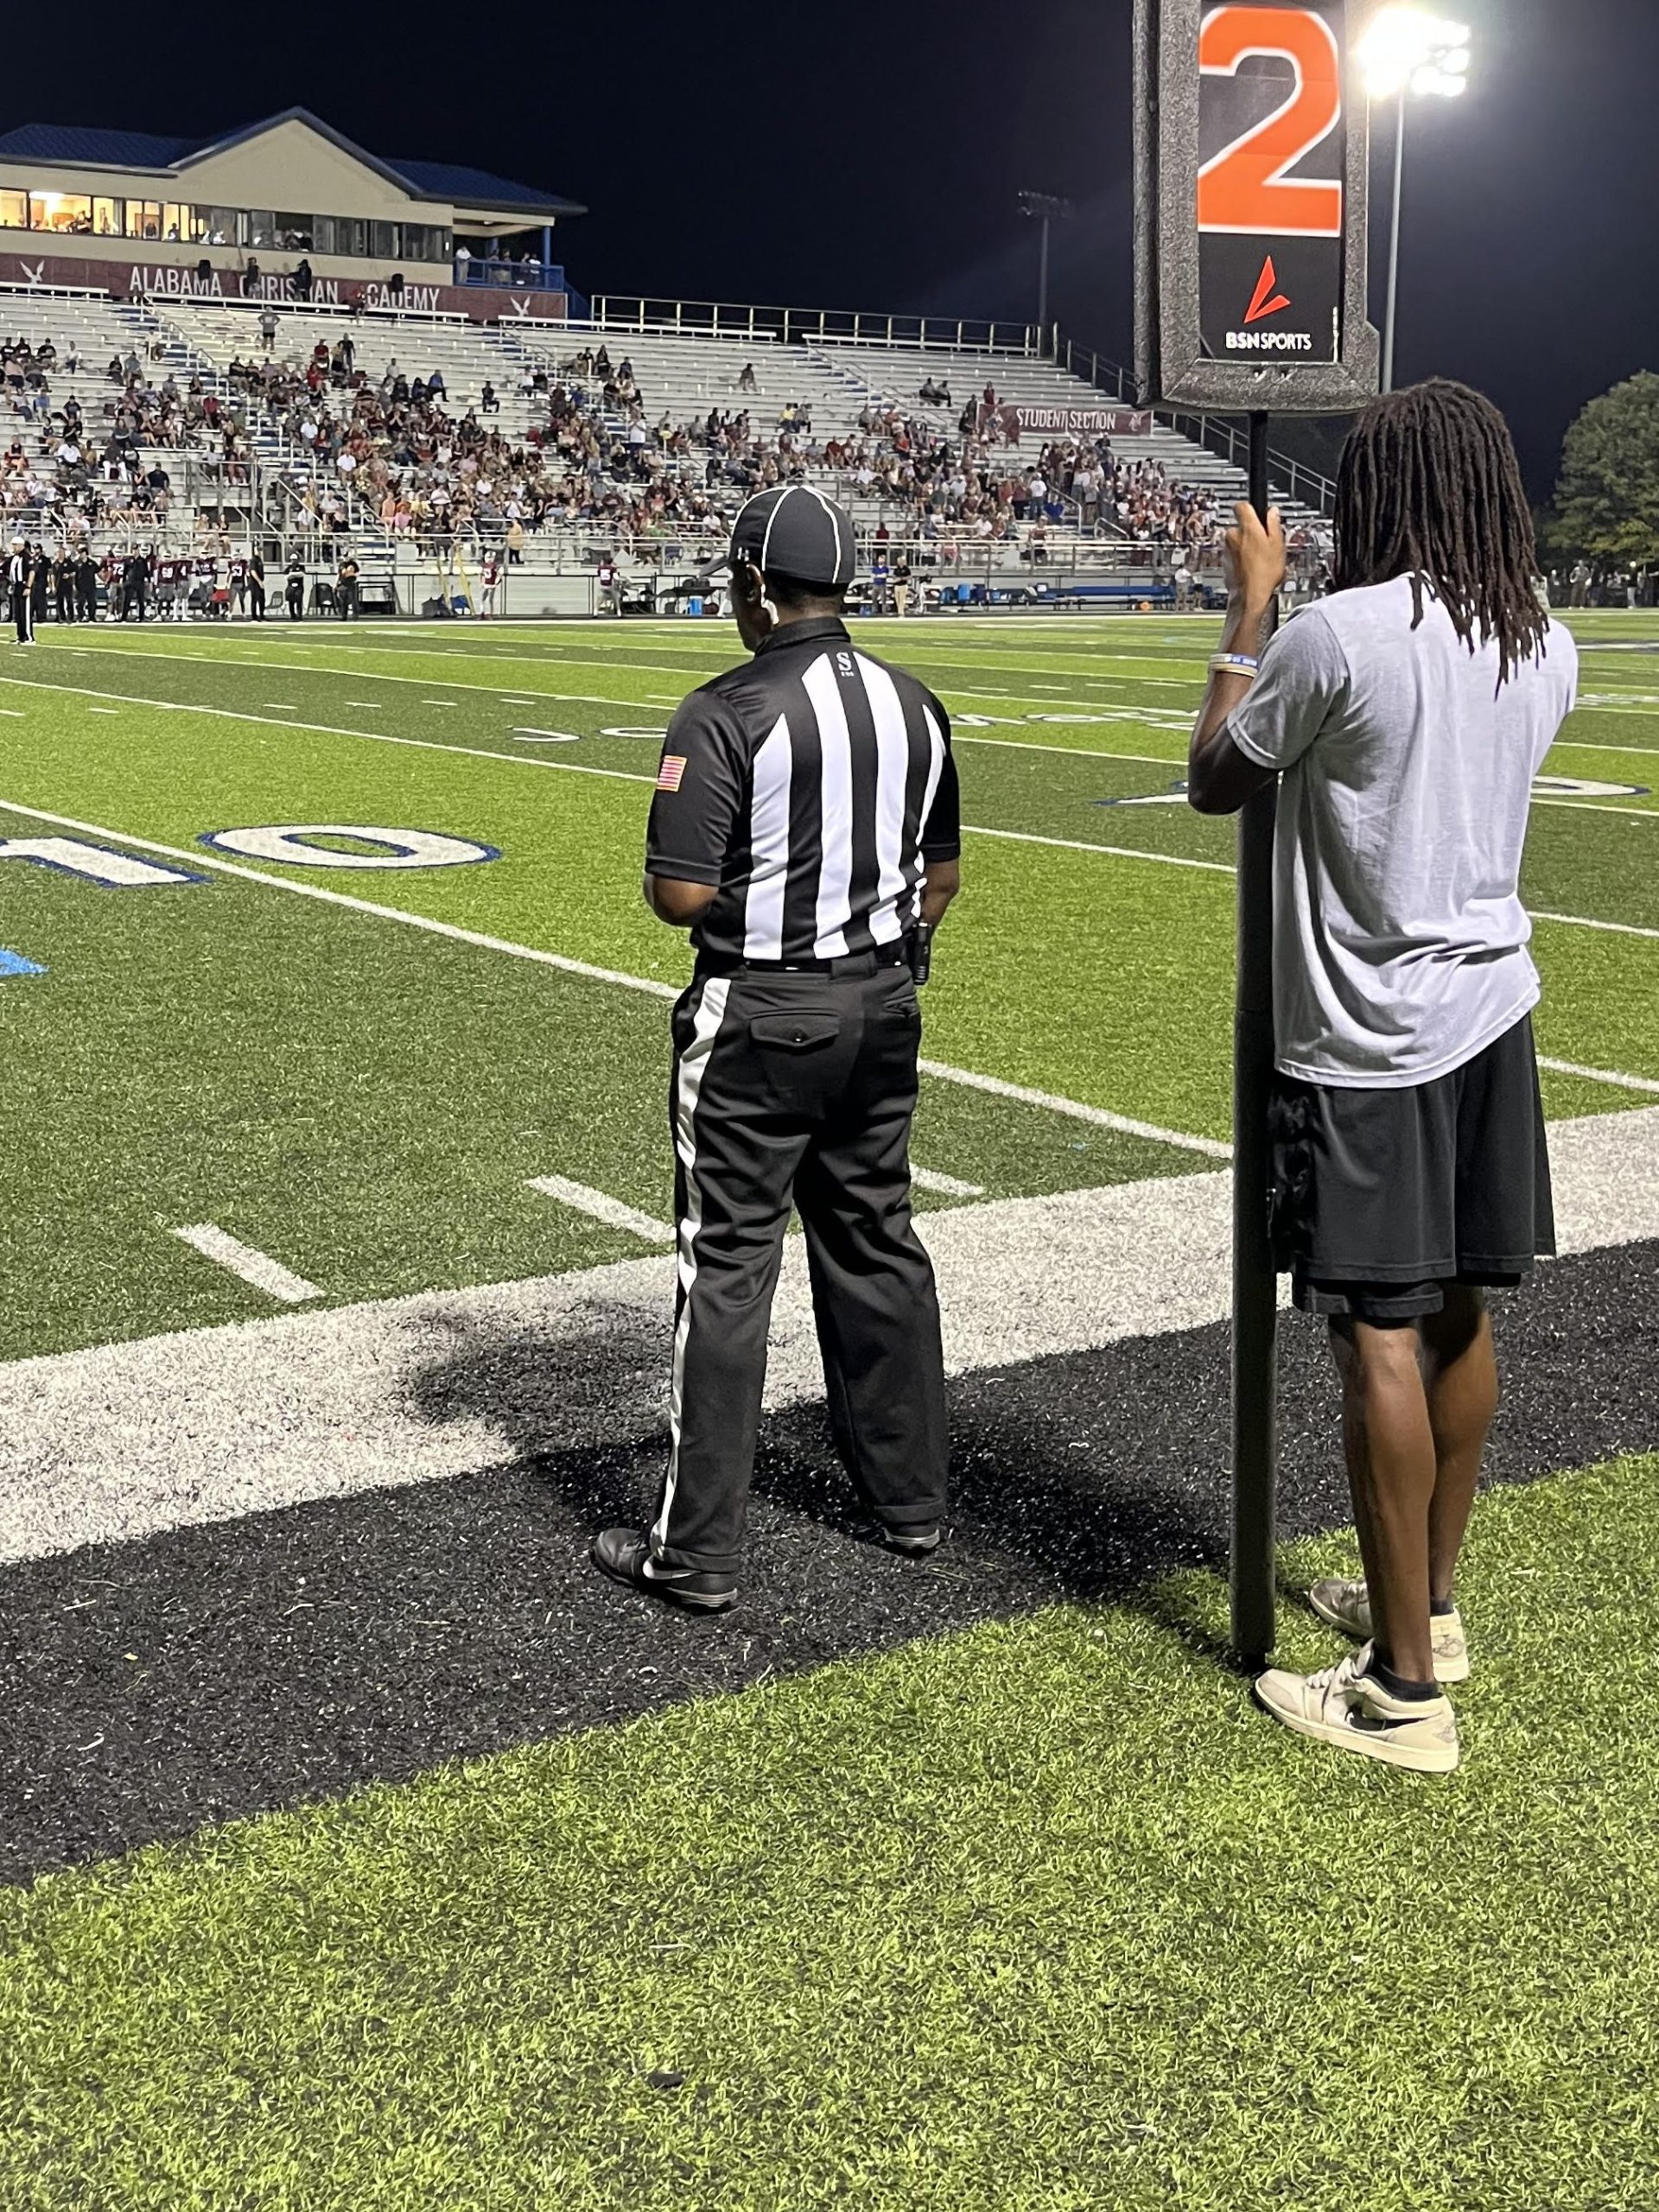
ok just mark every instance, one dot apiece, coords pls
pixel 59 211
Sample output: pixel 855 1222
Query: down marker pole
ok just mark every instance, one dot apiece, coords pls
pixel 1255 1304
pixel 1251 179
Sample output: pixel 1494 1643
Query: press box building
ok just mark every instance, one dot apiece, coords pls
pixel 125 211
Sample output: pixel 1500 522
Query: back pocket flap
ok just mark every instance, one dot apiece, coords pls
pixel 795 1033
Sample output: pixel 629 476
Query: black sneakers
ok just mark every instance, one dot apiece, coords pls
pixel 919 1541
pixel 624 1555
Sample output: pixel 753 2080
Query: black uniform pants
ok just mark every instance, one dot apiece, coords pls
pixel 256 598
pixel 798 1088
pixel 23 613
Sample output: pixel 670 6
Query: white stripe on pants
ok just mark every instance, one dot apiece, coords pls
pixel 688 1085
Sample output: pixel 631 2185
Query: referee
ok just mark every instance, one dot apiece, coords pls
pixel 19 593
pixel 804 827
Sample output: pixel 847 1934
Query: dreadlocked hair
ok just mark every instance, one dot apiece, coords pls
pixel 1429 486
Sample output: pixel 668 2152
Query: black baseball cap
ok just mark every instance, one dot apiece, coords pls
pixel 794 530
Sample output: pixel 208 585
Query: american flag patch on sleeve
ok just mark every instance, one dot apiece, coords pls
pixel 670 775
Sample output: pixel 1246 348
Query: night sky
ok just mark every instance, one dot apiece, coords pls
pixel 850 156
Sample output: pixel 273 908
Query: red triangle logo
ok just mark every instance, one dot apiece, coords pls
pixel 1268 300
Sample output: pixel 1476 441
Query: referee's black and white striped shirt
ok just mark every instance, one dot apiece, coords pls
pixel 812 785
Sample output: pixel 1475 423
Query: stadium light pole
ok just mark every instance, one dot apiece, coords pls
pixel 1407 51
pixel 1044 207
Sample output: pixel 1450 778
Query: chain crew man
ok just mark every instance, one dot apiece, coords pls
pixel 1406 716
pixel 804 826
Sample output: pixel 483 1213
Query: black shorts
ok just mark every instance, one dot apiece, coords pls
pixel 1381 1198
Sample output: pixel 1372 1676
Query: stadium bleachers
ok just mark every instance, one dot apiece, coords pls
pixel 803 397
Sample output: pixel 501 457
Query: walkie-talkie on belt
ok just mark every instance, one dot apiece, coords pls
pixel 921 952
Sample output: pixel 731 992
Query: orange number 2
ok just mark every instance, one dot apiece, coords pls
pixel 1245 186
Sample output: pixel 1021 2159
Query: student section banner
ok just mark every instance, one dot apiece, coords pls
pixel 1085 422
pixel 164 281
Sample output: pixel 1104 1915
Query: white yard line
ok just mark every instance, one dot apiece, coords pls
pixel 1613 929
pixel 256 1268
pixel 199 859
pixel 1209 1147
pixel 329 729
pixel 633 776
pixel 1600 806
pixel 1603 1075
pixel 611 1211
pixel 590 699
pixel 943 1186
pixel 945 1073
pixel 1113 852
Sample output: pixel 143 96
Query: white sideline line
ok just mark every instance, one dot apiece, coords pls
pixel 281 707
pixel 256 1268
pixel 1209 1147
pixel 939 1069
pixel 1603 1075
pixel 946 1187
pixel 12 714
pixel 611 1211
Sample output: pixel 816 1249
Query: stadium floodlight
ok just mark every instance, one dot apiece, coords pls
pixel 1407 51
pixel 1044 207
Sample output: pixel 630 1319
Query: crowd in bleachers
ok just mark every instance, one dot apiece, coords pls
pixel 392 450
pixel 389 451
pixel 71 467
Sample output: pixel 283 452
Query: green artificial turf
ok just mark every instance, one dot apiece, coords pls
pixel 365 1100
pixel 1041 1918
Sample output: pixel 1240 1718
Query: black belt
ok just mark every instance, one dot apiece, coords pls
pixel 850 964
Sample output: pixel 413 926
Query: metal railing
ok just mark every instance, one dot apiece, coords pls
pixel 1219 434
pixel 788 326
pixel 507 275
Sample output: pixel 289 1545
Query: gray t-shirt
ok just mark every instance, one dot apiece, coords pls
pixel 1401 941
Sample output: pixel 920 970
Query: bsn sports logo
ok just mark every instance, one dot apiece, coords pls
pixel 1268 300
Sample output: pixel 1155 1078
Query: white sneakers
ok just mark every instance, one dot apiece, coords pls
pixel 1345 1606
pixel 1346 1706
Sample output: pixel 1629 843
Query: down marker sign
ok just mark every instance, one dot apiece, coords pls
pixel 1250 194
